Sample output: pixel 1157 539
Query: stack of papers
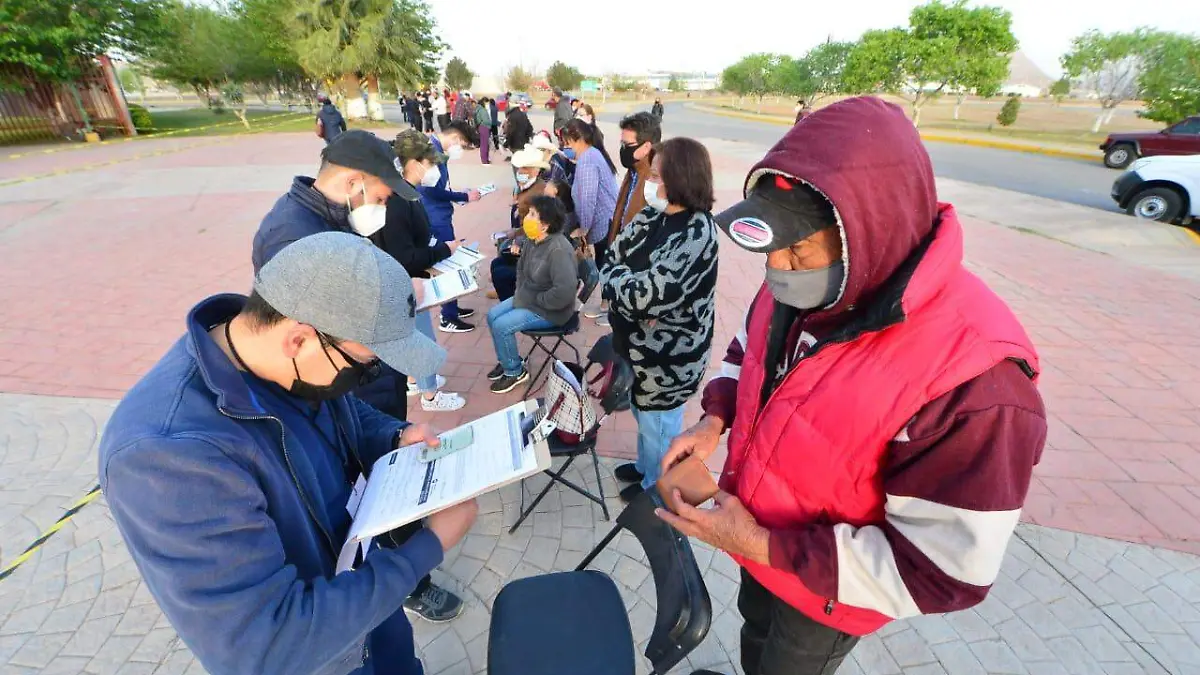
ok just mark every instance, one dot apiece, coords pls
pixel 446 287
pixel 497 450
pixel 487 189
pixel 464 258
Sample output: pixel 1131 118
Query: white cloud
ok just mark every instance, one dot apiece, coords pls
pixel 599 36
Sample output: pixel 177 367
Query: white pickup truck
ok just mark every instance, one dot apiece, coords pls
pixel 1164 188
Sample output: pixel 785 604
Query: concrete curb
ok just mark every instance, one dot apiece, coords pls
pixel 929 136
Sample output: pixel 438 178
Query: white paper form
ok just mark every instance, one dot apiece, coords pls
pixel 447 287
pixel 402 489
pixel 464 258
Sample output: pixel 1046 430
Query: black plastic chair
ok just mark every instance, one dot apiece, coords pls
pixel 590 279
pixel 575 623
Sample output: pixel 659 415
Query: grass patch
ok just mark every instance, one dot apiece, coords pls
pixel 203 122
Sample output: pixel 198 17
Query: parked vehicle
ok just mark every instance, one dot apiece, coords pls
pixel 1166 189
pixel 1121 149
pixel 520 96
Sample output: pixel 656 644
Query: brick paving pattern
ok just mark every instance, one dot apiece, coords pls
pixel 100 266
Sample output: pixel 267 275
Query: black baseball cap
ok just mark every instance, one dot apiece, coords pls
pixel 776 213
pixel 366 152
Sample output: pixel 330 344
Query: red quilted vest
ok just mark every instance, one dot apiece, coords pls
pixel 815 450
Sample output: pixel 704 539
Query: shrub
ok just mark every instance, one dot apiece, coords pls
pixel 1008 114
pixel 142 120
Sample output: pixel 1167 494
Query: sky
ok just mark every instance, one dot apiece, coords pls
pixel 636 36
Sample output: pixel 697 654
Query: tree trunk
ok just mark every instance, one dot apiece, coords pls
pixel 1111 111
pixel 760 98
pixel 1099 121
pixel 957 104
pixel 374 105
pixel 355 108
pixel 916 110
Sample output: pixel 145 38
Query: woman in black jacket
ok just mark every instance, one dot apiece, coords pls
pixel 407 237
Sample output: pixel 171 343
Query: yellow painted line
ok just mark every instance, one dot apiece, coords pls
pixel 928 136
pixel 1193 235
pixel 126 139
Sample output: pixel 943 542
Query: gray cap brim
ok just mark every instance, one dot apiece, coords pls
pixel 416 355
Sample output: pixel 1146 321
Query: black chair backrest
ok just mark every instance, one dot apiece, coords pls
pixel 684 608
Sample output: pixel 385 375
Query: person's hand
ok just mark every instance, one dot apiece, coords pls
pixel 700 440
pixel 453 245
pixel 515 249
pixel 473 195
pixel 728 526
pixel 420 433
pixel 452 524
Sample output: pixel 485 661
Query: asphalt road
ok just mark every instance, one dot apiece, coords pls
pixel 1068 180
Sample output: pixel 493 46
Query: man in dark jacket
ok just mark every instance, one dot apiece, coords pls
pixel 518 130
pixel 881 401
pixel 439 201
pixel 330 119
pixel 229 469
pixel 657 109
pixel 563 112
pixel 414 112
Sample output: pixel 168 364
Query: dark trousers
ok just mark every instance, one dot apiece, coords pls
pixel 428 123
pixel 496 136
pixel 778 639
pixel 443 121
pixel 504 276
pixel 601 249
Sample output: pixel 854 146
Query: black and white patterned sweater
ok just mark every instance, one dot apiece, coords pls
pixel 660 281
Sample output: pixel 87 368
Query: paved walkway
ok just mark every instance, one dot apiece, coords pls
pixel 101 264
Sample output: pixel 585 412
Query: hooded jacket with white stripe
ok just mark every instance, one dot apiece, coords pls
pixel 891 460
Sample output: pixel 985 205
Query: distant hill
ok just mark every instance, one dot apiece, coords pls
pixel 1022 70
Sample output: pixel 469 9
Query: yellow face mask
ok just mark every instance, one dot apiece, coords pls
pixel 532 227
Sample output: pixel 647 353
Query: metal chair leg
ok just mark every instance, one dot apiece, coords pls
pixel 554 477
pixel 599 482
pixel 549 356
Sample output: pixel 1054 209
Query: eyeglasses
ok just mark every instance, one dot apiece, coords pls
pixel 367 372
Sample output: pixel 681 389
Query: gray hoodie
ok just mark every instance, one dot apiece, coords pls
pixel 547 278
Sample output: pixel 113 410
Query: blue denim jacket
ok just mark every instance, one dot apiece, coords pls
pixel 221 513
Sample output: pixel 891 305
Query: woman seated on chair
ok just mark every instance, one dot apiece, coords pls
pixel 547 280
pixel 529 165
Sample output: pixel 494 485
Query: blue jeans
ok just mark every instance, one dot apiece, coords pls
pixel 505 321
pixel 427 385
pixel 446 234
pixel 656 430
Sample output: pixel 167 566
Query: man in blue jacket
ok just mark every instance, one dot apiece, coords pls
pixel 439 201
pixel 359 171
pixel 330 119
pixel 228 469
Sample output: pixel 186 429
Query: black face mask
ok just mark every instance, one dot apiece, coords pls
pixel 347 379
pixel 627 159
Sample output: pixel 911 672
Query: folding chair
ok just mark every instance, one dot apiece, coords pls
pixel 576 623
pixel 560 333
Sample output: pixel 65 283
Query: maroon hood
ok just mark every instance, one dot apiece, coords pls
pixel 867 158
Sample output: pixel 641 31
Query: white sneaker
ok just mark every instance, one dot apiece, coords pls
pixel 593 312
pixel 443 401
pixel 602 321
pixel 413 389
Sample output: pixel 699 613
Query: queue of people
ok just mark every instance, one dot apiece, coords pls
pixel 880 400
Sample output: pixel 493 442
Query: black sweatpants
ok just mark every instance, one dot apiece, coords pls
pixel 778 639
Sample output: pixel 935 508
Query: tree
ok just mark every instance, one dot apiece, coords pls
pixel 52 38
pixel 674 84
pixel 826 64
pixel 791 77
pixel 132 82
pixel 193 51
pixel 963 49
pixel 1170 82
pixel 1060 90
pixel 518 79
pixel 458 75
pixel 1108 65
pixel 1008 112
pixel 563 76
pixel 751 76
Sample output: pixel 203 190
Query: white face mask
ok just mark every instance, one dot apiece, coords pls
pixel 586 118
pixel 367 219
pixel 432 175
pixel 650 193
pixel 454 152
pixel 524 181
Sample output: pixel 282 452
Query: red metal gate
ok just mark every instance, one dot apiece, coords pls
pixel 38 111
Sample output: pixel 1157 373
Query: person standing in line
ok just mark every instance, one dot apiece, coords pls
pixel 594 189
pixel 439 110
pixel 407 237
pixel 462 111
pixel 229 466
pixel 881 401
pixel 563 113
pixel 504 103
pixel 661 283
pixel 415 103
pixel 518 130
pixel 439 200
pixel 587 114
pixel 494 109
pixel 657 109
pixel 640 132
pixel 483 122
pixel 802 110
pixel 402 101
pixel 330 120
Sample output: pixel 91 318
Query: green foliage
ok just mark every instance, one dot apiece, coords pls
pixel 1109 64
pixel 674 84
pixel 50 37
pixel 519 79
pixel 1060 89
pixel 1170 82
pixel 1008 113
pixel 458 75
pixel 142 120
pixel 199 49
pixel 791 77
pixel 826 64
pixel 752 76
pixel 563 76
pixel 623 84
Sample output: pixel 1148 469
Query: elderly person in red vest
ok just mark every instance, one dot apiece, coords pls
pixel 881 404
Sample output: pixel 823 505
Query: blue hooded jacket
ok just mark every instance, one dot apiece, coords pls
pixel 439 200
pixel 220 507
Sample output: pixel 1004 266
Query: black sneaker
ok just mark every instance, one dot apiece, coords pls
pixel 630 492
pixel 507 383
pixel 455 326
pixel 436 605
pixel 628 473
pixel 496 373
pixel 464 313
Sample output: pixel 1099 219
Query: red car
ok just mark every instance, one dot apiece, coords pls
pixel 1120 150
